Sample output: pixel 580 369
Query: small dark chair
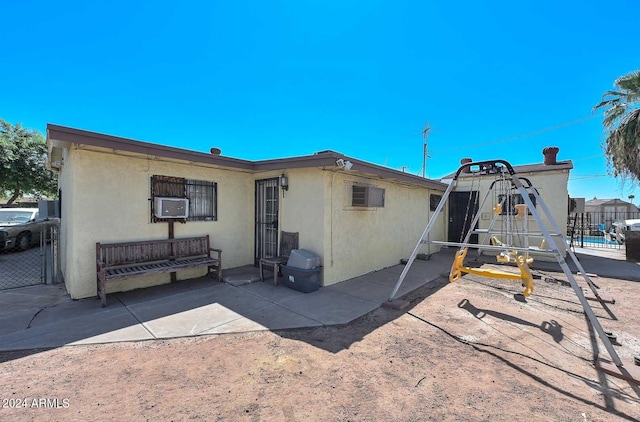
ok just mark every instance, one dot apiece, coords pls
pixel 288 242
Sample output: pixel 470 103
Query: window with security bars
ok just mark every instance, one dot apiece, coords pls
pixel 202 196
pixel 509 204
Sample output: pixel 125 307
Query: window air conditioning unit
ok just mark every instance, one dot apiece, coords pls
pixel 367 196
pixel 171 207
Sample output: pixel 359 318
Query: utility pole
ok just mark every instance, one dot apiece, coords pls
pixel 425 133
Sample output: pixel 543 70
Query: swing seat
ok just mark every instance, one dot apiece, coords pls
pixel 496 242
pixel 510 257
pixel 525 273
pixel 507 256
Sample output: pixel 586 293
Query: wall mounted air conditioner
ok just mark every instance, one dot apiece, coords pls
pixel 171 207
pixel 367 196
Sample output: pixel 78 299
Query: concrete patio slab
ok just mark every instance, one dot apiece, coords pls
pixel 240 276
pixel 329 307
pixel 132 297
pixel 266 290
pixel 32 297
pixel 89 308
pixel 363 288
pixel 131 333
pixel 275 317
pixel 412 281
pixel 70 330
pixel 240 325
pixel 196 311
pixel 191 322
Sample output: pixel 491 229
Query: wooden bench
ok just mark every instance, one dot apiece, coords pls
pixel 119 261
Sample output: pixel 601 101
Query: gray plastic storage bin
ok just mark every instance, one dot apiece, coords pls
pixel 304 259
pixel 302 280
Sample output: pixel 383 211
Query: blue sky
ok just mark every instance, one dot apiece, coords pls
pixel 272 79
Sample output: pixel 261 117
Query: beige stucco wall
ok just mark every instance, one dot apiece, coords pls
pixel 106 199
pixel 553 188
pixel 359 240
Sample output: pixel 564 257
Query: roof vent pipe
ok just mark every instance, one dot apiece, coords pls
pixel 550 155
pixel 215 151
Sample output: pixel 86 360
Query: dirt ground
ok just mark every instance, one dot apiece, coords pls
pixel 473 350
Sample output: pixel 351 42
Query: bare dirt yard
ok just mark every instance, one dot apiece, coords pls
pixel 474 350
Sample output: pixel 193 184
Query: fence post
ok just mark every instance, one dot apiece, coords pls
pixel 43 256
pixel 582 231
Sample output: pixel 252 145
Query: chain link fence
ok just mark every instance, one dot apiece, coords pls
pixel 36 264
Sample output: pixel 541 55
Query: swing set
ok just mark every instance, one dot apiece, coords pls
pixel 502 198
pixel 515 200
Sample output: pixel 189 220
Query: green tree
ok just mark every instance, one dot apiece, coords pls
pixel 622 122
pixel 22 163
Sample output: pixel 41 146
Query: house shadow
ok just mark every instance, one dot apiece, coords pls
pixel 336 338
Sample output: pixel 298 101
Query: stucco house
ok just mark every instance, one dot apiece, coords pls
pixel 359 217
pixel 550 177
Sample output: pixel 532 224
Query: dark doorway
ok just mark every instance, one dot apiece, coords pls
pixel 267 206
pixel 463 206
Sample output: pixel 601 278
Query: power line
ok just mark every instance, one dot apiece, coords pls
pixel 512 138
pixel 590 176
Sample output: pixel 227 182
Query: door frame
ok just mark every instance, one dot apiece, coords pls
pixel 266 218
pixel 459 206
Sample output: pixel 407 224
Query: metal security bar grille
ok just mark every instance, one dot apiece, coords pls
pixel 202 200
pixel 202 195
pixel 267 205
pixel 36 264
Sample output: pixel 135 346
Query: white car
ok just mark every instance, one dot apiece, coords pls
pixel 618 229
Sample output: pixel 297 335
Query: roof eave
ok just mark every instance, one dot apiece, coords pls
pixel 63 137
pixel 60 136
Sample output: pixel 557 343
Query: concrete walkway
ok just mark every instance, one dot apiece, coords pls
pixel 44 316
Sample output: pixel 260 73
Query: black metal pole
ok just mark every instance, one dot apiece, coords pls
pixel 582 231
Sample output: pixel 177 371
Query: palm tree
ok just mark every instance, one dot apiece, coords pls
pixel 622 122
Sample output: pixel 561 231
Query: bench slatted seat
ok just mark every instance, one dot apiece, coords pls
pixel 119 261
